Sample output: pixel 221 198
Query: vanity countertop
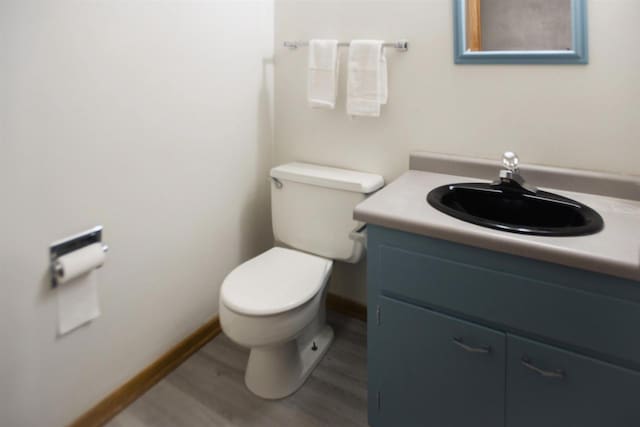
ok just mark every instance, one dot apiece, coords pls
pixel 615 250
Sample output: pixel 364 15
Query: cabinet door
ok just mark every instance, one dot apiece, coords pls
pixel 550 387
pixel 435 370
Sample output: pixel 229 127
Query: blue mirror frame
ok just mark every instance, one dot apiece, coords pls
pixel 579 54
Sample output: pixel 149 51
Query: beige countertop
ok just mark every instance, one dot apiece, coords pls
pixel 615 250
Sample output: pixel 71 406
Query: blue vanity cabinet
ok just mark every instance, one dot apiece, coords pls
pixel 452 367
pixel 434 306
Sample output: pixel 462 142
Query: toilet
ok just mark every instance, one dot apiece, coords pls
pixel 274 304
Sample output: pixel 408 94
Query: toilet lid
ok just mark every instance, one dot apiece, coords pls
pixel 274 282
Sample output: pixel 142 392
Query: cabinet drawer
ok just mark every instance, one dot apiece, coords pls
pixel 550 387
pixel 563 314
pixel 434 370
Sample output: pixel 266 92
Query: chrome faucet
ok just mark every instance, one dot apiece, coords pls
pixel 510 174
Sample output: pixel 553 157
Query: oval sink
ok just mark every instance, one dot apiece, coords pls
pixel 511 208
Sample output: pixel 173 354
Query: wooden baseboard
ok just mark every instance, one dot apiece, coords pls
pixel 138 385
pixel 347 307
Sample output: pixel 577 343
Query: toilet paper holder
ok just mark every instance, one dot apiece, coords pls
pixel 70 244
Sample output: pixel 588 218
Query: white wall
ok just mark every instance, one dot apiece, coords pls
pixel 152 118
pixel 569 116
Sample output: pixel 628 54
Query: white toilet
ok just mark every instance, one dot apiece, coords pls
pixel 274 304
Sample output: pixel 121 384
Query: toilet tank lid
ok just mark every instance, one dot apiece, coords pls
pixel 325 176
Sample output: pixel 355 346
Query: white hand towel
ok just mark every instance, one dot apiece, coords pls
pixel 367 87
pixel 323 74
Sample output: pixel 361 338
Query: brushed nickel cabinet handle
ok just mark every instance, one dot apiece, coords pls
pixel 559 374
pixel 482 349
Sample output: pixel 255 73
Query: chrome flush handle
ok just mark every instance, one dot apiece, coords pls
pixel 276 182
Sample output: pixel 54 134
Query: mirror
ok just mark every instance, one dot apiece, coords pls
pixel 520 32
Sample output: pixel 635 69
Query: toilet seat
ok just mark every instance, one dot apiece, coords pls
pixel 274 282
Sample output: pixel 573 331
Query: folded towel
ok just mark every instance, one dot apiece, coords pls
pixel 323 73
pixel 367 80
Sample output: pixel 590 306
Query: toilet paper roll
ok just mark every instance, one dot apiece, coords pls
pixel 77 290
pixel 82 261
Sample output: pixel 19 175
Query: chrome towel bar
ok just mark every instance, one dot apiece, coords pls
pixel 400 45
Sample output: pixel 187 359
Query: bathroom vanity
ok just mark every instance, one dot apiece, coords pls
pixel 469 326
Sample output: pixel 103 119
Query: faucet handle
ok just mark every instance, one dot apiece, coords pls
pixel 510 161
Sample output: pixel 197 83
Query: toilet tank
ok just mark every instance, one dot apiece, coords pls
pixel 312 208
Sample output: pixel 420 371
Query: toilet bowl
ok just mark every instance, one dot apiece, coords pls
pixel 274 304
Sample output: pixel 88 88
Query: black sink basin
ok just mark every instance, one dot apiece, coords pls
pixel 512 208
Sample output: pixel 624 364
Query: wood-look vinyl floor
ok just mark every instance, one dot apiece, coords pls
pixel 208 389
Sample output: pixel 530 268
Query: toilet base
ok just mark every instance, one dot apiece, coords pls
pixel 277 371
